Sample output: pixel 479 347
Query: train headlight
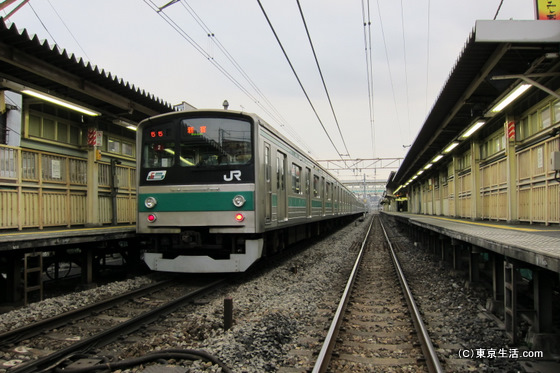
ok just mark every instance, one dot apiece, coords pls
pixel 239 217
pixel 238 200
pixel 150 202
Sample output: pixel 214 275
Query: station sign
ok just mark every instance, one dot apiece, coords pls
pixel 547 10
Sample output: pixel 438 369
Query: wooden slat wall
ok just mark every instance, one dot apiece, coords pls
pixel 537 191
pixel 40 189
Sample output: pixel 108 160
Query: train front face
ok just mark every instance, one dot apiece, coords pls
pixel 196 191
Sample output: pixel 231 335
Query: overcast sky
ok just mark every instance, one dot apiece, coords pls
pixel 414 45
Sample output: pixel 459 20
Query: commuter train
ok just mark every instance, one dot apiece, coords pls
pixel 219 189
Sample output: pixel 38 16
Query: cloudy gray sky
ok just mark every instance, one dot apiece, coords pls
pixel 414 46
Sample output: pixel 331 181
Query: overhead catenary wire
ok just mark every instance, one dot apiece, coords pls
pixel 389 69
pixel 322 77
pixel 274 113
pixel 43 24
pixel 369 71
pixel 160 11
pixel 498 11
pixel 427 59
pixel 297 77
pixel 67 29
pixel 405 69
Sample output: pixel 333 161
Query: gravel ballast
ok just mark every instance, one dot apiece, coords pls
pixel 281 314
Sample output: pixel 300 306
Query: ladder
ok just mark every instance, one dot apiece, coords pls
pixel 32 275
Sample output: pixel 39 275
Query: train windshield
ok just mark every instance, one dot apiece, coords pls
pixel 183 148
pixel 214 142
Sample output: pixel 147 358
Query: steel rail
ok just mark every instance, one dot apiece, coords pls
pixel 324 357
pixel 428 349
pixel 48 362
pixel 19 334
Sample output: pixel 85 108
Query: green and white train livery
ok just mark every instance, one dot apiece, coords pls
pixel 219 189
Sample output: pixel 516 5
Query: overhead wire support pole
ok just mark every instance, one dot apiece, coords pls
pixel 297 77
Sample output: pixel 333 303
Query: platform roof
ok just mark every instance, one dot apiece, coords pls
pixel 495 49
pixel 27 62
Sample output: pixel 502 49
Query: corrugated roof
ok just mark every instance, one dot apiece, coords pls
pixel 469 90
pixel 27 60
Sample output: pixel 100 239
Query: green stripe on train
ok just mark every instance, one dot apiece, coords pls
pixel 199 201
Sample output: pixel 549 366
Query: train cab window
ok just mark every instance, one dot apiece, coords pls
pixel 215 142
pixel 160 155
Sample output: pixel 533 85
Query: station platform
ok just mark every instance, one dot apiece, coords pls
pixel 37 239
pixel 534 244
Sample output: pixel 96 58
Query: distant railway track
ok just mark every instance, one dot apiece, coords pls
pixel 114 318
pixel 376 326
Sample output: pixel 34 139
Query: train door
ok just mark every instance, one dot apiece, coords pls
pixel 308 191
pixel 281 185
pixel 268 184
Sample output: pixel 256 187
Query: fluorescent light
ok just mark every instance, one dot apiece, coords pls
pixel 420 172
pixel 451 147
pixel 60 102
pixel 510 98
pixel 428 166
pixel 436 159
pixel 473 129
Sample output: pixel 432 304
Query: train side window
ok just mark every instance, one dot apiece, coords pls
pixel 307 180
pixel 280 172
pixel 296 178
pixel 267 162
pixel 316 187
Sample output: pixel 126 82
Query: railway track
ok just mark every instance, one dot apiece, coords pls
pixel 83 330
pixel 377 325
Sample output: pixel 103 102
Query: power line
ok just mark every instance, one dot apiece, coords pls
pixel 70 32
pixel 499 7
pixel 369 71
pixel 405 69
pixel 389 67
pixel 213 61
pixel 427 60
pixel 298 79
pixel 44 26
pixel 322 78
pixel 275 114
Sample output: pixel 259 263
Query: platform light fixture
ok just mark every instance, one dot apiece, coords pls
pixel 428 166
pixel 437 159
pixel 451 146
pixel 60 102
pixel 503 103
pixel 472 129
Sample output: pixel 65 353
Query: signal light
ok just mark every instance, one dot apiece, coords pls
pixel 152 218
pixel 239 217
